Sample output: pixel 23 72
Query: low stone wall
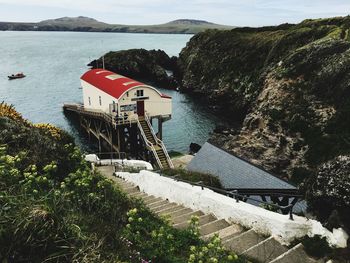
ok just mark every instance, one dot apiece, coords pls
pixel 261 220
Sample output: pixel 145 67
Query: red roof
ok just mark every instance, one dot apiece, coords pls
pixel 112 83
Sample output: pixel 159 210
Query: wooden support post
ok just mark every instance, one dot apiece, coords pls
pixel 118 138
pixel 99 143
pixel 160 128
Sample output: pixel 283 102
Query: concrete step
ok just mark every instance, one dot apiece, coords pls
pixel 170 210
pixel 119 180
pixel 138 195
pixel 204 219
pixel 296 254
pixel 213 227
pixel 181 212
pixel 243 241
pixel 165 206
pixel 158 203
pixel 186 217
pixel 131 189
pixel 226 233
pixel 266 250
pixel 124 185
pixel 151 199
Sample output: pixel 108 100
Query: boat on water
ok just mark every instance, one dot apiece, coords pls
pixel 16 76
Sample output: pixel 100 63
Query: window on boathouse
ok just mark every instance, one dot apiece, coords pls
pixel 99 99
pixel 139 93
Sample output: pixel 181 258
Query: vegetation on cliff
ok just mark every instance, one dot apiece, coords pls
pixel 55 209
pixel 288 88
pixel 328 192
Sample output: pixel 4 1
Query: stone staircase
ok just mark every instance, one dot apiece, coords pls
pixel 235 238
pixel 151 138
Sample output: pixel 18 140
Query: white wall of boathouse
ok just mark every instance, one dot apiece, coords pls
pixel 96 99
pixel 155 104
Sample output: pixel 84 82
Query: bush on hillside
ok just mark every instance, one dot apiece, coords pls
pixel 329 191
pixel 195 177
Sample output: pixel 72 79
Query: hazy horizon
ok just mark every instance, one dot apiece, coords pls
pixel 140 12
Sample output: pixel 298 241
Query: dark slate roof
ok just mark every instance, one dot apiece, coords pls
pixel 234 172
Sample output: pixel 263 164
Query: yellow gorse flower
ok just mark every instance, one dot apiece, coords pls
pixel 10 112
pixel 50 130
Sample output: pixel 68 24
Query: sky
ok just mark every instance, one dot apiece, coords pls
pixel 142 12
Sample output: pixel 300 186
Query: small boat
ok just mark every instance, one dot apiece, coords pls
pixel 16 76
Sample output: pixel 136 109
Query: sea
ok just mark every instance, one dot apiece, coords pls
pixel 54 62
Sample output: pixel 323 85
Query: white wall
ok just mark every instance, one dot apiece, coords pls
pixel 94 93
pixel 261 220
pixel 155 105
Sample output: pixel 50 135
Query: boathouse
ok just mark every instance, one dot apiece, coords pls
pixel 121 96
pixel 118 112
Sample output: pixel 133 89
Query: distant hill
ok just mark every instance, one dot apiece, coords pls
pixel 87 24
pixel 80 21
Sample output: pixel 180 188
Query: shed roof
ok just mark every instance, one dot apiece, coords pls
pixel 113 84
pixel 234 172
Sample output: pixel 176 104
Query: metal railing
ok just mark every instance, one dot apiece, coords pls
pixel 121 120
pixel 239 197
pixel 149 144
pixel 160 142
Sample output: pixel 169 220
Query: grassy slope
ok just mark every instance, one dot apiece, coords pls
pixel 55 209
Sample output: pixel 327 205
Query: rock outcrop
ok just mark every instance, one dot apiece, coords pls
pixel 153 66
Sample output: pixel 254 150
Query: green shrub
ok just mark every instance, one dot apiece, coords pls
pixel 316 246
pixel 174 154
pixel 195 177
pixel 300 174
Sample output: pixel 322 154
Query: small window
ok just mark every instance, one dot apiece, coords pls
pixel 139 93
pixel 127 93
pixel 89 101
pixel 100 100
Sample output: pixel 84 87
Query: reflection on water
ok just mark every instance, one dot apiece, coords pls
pixel 54 62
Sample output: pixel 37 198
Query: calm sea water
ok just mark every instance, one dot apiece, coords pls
pixel 54 62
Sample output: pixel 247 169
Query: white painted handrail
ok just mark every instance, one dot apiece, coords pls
pixel 159 142
pixel 131 119
pixel 149 144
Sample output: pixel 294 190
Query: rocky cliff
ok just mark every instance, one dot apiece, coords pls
pixel 287 86
pixel 154 66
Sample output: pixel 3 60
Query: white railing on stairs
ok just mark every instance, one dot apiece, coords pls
pixel 131 119
pixel 159 142
pixel 149 144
